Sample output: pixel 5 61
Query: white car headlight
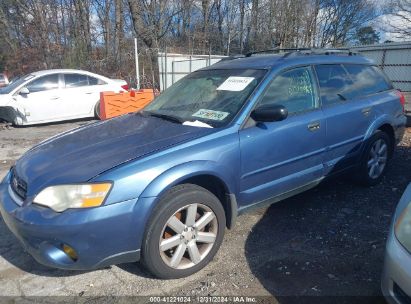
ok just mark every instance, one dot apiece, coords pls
pixel 60 198
pixel 403 228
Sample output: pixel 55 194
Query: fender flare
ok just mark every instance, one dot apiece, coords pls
pixel 382 120
pixel 177 174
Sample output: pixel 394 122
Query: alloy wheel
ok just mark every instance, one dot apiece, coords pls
pixel 377 158
pixel 188 236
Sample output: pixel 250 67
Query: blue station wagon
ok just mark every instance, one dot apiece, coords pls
pixel 163 184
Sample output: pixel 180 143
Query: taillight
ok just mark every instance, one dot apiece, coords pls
pixel 125 87
pixel 402 99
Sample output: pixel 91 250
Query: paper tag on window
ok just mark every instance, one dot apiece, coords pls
pixel 235 83
pixel 210 114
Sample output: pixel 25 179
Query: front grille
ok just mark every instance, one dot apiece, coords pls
pixel 18 185
pixel 401 296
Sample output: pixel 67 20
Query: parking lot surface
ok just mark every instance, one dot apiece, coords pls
pixel 328 241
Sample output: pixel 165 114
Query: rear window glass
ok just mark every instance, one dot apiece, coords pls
pixel 366 80
pixel 334 83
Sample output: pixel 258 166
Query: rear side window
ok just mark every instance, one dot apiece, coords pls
pixel 334 83
pixel 366 80
pixel 79 80
pixel 75 80
pixel 44 83
pixel 95 81
pixel 293 89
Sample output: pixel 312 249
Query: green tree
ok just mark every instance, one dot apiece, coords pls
pixel 367 35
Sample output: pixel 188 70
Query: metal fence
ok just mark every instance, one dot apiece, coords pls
pixel 173 67
pixel 394 59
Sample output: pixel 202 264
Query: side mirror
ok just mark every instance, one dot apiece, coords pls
pixel 24 91
pixel 269 113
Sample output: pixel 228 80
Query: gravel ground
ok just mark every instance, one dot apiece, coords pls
pixel 328 241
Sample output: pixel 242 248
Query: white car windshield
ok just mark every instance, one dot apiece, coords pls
pixel 15 84
pixel 213 97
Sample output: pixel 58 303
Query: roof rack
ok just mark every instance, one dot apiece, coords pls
pixel 306 51
pixel 232 57
pixel 277 50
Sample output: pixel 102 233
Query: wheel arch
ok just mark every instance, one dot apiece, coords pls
pixel 389 130
pixel 8 114
pixel 384 124
pixel 195 173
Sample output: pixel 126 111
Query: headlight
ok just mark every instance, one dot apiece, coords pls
pixel 403 228
pixel 60 198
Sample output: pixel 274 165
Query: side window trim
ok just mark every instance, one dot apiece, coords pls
pixel 62 84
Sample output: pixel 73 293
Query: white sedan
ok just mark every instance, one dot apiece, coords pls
pixel 54 95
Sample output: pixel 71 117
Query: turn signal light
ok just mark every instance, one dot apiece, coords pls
pixel 70 252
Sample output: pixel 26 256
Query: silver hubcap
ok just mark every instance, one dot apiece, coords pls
pixel 377 159
pixel 188 236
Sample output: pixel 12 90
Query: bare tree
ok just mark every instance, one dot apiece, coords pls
pixel 399 18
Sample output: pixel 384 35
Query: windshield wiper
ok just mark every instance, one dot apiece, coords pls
pixel 165 117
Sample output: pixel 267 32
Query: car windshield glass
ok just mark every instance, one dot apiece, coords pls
pixel 15 84
pixel 213 97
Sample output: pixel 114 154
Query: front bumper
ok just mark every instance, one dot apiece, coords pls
pixel 396 280
pixel 100 236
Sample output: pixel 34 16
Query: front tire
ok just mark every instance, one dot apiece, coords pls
pixel 184 232
pixel 374 160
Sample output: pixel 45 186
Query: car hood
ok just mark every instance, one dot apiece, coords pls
pixel 4 99
pixel 81 154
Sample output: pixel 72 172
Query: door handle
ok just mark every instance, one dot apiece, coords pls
pixel 89 93
pixel 314 126
pixel 366 111
pixel 55 97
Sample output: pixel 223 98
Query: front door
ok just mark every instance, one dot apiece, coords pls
pixel 44 100
pixel 278 157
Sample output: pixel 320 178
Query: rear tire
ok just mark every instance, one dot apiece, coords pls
pixel 97 113
pixel 184 233
pixel 374 160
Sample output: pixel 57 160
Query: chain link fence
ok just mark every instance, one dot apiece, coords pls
pixel 394 59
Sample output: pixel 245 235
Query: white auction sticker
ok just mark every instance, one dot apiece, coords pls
pixel 235 83
pixel 210 114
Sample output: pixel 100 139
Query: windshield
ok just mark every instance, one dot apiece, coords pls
pixel 15 84
pixel 213 97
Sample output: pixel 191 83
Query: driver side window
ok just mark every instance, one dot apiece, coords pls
pixel 293 89
pixel 44 83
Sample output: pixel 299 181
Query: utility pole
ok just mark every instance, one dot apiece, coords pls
pixel 137 68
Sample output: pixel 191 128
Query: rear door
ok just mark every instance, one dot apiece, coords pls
pixel 348 115
pixel 277 157
pixel 82 92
